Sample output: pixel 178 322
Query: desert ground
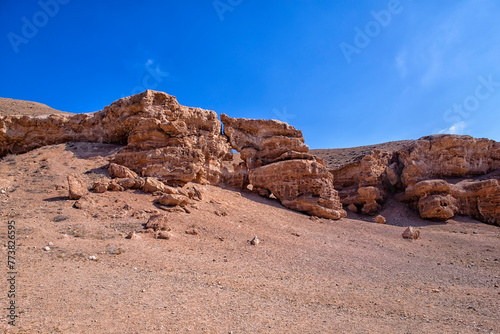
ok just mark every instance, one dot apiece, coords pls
pixel 78 273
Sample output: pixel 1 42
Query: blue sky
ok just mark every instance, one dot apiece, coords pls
pixel 347 73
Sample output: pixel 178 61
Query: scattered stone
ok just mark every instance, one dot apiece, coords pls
pixel 158 223
pixel 380 219
pixel 132 235
pixel 100 187
pixel 163 235
pixel 255 241
pixel 220 213
pixel 173 209
pixel 92 258
pixel 192 231
pixel 77 188
pixel 152 185
pixel 411 233
pixel 113 186
pixel 120 171
pixel 353 208
pixel 172 200
pixel 46 248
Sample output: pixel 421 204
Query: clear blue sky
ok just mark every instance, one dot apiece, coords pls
pixel 345 72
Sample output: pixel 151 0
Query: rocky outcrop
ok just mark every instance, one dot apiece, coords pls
pixel 365 182
pixel 441 156
pixel 163 139
pixel 417 170
pixel 278 163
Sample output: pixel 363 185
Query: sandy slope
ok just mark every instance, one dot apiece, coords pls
pixel 306 276
pixel 20 107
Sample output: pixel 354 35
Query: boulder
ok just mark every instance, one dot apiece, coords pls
pixel 120 171
pixel 76 187
pixel 173 200
pixel 411 233
pixel 437 207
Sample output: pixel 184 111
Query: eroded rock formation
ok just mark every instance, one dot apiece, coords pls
pixel 166 144
pixel 421 170
pixel 163 139
pixel 278 163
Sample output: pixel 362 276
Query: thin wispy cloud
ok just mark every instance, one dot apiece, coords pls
pixel 456 129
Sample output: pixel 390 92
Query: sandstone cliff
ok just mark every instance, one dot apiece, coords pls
pixel 162 138
pixel 278 163
pixel 439 176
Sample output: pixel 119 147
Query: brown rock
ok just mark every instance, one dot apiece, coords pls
pixel 173 200
pixel 76 187
pixel 158 223
pixel 255 241
pixel 353 208
pixel 261 142
pixel 437 207
pixel 163 235
pixel 163 138
pixel 130 182
pixel 113 186
pixel 411 233
pixel 100 187
pixel 380 219
pixel 448 156
pixel 120 171
pixel 152 185
pixel 479 199
pixel 192 231
pixel 278 163
pixel 302 185
pixel 132 235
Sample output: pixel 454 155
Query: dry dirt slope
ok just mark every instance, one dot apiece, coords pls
pixel 306 276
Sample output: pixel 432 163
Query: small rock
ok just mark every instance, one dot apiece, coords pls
pixel 163 235
pixel 352 208
pixel 380 219
pixel 158 223
pixel 192 231
pixel 46 248
pixel 220 213
pixel 411 233
pixel 173 200
pixel 120 171
pixel 92 258
pixel 132 235
pixel 255 241
pixel 100 187
pixel 115 187
pixel 77 188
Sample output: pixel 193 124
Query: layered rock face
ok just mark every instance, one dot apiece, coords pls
pixel 448 156
pixel 163 138
pixel 278 163
pixel 418 170
pixel 363 183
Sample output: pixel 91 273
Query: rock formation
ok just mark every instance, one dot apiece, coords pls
pixel 167 145
pixel 163 139
pixel 278 163
pixel 419 170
